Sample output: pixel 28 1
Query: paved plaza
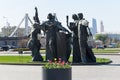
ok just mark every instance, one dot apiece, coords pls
pixel 83 72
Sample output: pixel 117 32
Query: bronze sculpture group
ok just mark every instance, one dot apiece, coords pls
pixel 59 39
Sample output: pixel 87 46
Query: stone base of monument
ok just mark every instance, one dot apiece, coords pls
pixel 95 63
pixel 37 58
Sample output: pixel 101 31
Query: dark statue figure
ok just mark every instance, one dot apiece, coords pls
pixel 68 45
pixel 86 52
pixel 76 50
pixel 34 43
pixel 52 28
pixel 36 18
pixel 58 39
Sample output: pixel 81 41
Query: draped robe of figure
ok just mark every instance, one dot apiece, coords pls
pixel 86 52
pixel 50 28
pixel 34 43
pixel 76 50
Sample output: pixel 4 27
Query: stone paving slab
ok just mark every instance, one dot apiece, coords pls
pixel 82 72
pixel 104 72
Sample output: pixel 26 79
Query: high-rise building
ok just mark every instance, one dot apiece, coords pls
pixel 101 26
pixel 94 26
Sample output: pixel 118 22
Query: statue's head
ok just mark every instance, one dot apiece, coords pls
pixel 80 15
pixel 35 8
pixel 75 17
pixel 50 16
pixel 53 17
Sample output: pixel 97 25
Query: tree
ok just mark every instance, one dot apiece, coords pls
pixel 101 37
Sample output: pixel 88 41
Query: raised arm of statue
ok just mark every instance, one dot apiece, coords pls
pixel 67 21
pixel 36 11
pixel 69 24
pixel 36 18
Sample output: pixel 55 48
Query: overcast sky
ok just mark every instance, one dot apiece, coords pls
pixel 106 10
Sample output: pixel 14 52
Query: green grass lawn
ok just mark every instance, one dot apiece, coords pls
pixel 15 59
pixel 28 60
pixel 107 50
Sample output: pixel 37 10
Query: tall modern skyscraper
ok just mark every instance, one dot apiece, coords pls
pixel 101 26
pixel 94 26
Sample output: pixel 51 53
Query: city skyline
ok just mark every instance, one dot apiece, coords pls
pixel 106 11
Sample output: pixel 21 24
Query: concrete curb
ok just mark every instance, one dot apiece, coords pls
pixel 81 64
pixel 107 53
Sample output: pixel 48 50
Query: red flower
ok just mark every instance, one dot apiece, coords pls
pixel 63 62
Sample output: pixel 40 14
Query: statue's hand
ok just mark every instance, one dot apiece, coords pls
pixel 35 8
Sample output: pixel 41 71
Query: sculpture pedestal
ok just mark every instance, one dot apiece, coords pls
pixel 57 74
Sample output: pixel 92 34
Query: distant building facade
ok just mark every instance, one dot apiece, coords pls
pixel 112 35
pixel 101 26
pixel 19 42
pixel 6 31
pixel 94 27
pixel 13 41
